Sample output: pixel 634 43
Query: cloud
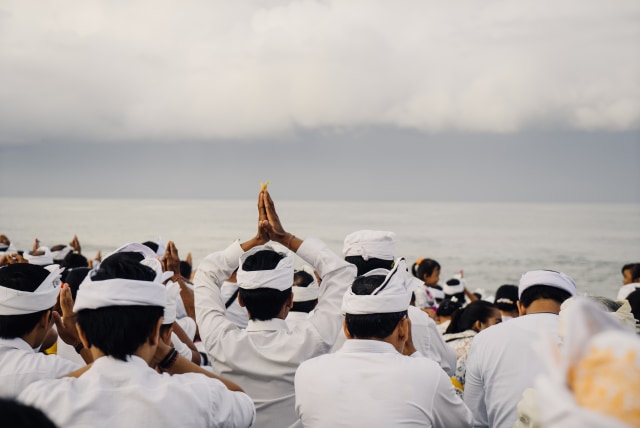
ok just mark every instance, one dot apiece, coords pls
pixel 199 70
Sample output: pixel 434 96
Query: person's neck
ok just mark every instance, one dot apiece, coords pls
pixel 542 306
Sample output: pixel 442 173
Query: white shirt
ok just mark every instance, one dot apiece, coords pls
pixel 426 339
pixel 115 393
pixel 235 312
pixel 295 317
pixel 263 358
pixel 21 365
pixel 367 383
pixel 502 363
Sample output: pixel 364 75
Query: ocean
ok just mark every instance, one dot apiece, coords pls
pixel 494 243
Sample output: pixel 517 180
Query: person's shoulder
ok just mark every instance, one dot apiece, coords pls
pixel 45 390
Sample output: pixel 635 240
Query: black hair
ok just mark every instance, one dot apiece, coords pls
pixel 367 326
pixel 74 278
pixel 465 318
pixel 263 303
pixel 363 266
pixel 19 415
pixel 22 277
pixel 151 245
pixel 425 267
pixel 303 279
pixel 448 307
pixel 73 260
pixel 634 269
pixel 506 297
pixel 185 269
pixel 543 292
pixel 119 331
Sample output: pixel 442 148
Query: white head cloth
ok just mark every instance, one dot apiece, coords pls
pixel 43 260
pixel 173 291
pixel 61 254
pixel 370 244
pixel 310 292
pixel 591 381
pixel 393 295
pixel 119 292
pixel 162 246
pixel 546 277
pixel 436 293
pixel 7 249
pixel 280 278
pixel 15 302
pixel 450 290
pixel 134 247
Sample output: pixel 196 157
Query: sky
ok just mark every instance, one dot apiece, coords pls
pixel 487 101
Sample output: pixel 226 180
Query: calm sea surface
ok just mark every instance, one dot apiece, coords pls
pixel 494 243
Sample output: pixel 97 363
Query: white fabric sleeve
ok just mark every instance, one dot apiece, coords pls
pixel 474 389
pixel 446 354
pixel 448 409
pixel 210 310
pixel 181 347
pixel 337 275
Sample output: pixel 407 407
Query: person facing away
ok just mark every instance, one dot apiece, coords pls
pixel 506 300
pixel 264 356
pixel 502 361
pixel 371 249
pixel 465 324
pixel 305 295
pixel 120 310
pixel 630 280
pixel 369 382
pixel 27 296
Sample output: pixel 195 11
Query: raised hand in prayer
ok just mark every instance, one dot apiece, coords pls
pixel 75 244
pixel 97 258
pixel 4 240
pixel 66 323
pixel 171 260
pixel 35 250
pixel 274 226
pixel 189 259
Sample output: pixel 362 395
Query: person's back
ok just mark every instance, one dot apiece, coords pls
pixel 502 362
pixel 120 310
pixel 369 382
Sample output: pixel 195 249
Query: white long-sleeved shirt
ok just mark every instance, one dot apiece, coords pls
pixel 115 393
pixel 369 383
pixel 502 363
pixel 263 358
pixel 21 365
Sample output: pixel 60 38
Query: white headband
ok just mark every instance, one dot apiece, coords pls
pixel 546 277
pixel 370 244
pixel 15 302
pixel 310 292
pixel 155 264
pixel 280 278
pixel 43 260
pixel 173 291
pixel 450 290
pixel 134 248
pixel 61 254
pixel 393 295
pixel 119 292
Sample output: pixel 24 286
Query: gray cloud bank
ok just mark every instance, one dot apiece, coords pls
pixel 102 71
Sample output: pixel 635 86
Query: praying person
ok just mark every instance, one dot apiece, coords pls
pixel 264 356
pixel 27 296
pixel 369 382
pixel 502 361
pixel 371 249
pixel 506 300
pixel 120 308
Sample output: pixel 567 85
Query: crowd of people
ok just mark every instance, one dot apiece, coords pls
pixel 138 337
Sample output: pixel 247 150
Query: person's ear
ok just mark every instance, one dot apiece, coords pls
pixel 521 309
pixel 46 320
pixel 154 337
pixel 290 300
pixel 345 329
pixel 82 336
pixel 165 335
pixel 403 329
pixel 477 326
pixel 240 301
